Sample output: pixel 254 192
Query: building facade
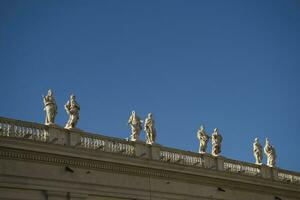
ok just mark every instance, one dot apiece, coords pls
pixel 40 162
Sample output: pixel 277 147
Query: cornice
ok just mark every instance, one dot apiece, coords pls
pixel 49 154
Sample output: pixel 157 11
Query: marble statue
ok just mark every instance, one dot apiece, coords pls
pixel 203 138
pixel 136 126
pixel 257 151
pixel 72 108
pixel 216 140
pixel 270 153
pixel 150 129
pixel 50 107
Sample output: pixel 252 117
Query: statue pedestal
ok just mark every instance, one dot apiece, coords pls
pixel 57 135
pixel 74 129
pixel 142 150
pixel 266 171
pixel 155 151
pixel 54 125
pixel 220 162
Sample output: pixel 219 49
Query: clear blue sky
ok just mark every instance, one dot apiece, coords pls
pixel 227 64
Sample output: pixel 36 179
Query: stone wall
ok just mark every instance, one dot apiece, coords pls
pixel 49 162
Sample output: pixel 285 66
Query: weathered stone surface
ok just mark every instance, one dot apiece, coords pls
pixel 270 153
pixel 257 152
pixel 50 108
pixel 150 130
pixel 85 166
pixel 203 139
pixel 216 140
pixel 136 126
pixel 72 108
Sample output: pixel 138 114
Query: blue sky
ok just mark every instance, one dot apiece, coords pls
pixel 227 64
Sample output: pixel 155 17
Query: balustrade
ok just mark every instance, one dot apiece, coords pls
pixel 107 145
pixel 241 167
pixel 181 158
pixel 23 130
pixel 38 132
pixel 288 177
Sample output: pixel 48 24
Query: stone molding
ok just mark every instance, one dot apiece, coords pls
pixel 185 175
pixel 53 145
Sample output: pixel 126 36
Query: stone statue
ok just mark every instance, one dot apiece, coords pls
pixel 257 151
pixel 203 138
pixel 216 140
pixel 136 126
pixel 270 153
pixel 50 107
pixel 150 129
pixel 72 108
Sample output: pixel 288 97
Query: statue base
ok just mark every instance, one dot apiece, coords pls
pixel 53 125
pixel 73 129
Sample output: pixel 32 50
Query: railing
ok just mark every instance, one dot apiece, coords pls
pixel 94 142
pixel 181 157
pixel 241 167
pixel 287 176
pixel 26 130
pixel 106 144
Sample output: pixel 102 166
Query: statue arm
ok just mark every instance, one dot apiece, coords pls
pixel 266 150
pixel 67 107
pixel 207 137
pixel 44 99
pixel 77 105
pixel 55 105
pixel 198 136
pixel 145 124
pixel 141 121
pixel 129 120
pixel 255 150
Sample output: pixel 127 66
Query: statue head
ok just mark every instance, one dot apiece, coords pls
pixel 216 130
pixel 201 128
pixel 150 115
pixel 133 113
pixel 72 97
pixel 50 92
pixel 256 140
pixel 267 141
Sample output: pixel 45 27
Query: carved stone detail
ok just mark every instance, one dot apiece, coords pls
pixel 150 129
pixel 50 107
pixel 136 126
pixel 72 108
pixel 270 153
pixel 257 151
pixel 216 140
pixel 203 138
